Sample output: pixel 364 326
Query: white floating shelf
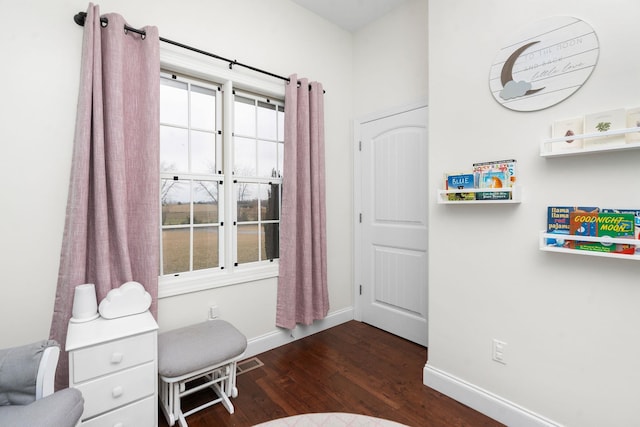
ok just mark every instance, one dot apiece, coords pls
pixel 545 145
pixel 548 248
pixel 516 196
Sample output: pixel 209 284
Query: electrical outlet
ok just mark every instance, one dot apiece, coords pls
pixel 214 312
pixel 498 353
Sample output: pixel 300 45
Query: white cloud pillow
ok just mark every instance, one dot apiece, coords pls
pixel 130 298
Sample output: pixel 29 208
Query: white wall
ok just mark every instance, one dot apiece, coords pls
pixel 571 322
pixel 40 47
pixel 390 60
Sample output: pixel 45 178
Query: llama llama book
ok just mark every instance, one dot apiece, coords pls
pixel 558 222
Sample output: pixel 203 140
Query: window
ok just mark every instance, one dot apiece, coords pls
pixel 258 143
pixel 219 188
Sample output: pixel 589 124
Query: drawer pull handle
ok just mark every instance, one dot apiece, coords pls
pixel 116 358
pixel 118 425
pixel 117 392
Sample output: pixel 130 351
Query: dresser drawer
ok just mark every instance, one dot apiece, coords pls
pixel 92 362
pixel 118 389
pixel 139 414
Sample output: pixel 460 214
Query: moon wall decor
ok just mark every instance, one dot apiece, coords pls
pixel 545 64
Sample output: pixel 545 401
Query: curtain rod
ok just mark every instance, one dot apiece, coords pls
pixel 80 18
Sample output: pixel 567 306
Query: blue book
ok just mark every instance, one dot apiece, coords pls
pixel 461 182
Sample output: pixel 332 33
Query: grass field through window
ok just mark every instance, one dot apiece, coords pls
pixel 176 241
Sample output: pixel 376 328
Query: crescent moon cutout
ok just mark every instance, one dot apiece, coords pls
pixel 543 64
pixel 507 69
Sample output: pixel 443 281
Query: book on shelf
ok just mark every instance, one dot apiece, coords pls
pixel 460 181
pixel 633 121
pixel 616 225
pixel 636 221
pixel 567 128
pixel 609 224
pixel 602 122
pixel 594 222
pixel 558 222
pixel 495 174
pixel 583 224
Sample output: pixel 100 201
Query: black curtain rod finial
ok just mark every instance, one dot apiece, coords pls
pixel 80 18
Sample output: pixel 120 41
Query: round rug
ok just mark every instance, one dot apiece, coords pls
pixel 330 419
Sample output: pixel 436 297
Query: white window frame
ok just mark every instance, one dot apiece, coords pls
pixel 188 175
pixel 254 179
pixel 182 61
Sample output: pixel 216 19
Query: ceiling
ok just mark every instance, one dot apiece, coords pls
pixel 350 14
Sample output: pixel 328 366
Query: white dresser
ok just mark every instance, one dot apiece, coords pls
pixel 114 364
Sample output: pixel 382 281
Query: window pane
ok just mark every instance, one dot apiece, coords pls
pixel 205 247
pixel 267 159
pixel 173 102
pixel 205 202
pixel 270 201
pixel 203 108
pixel 280 160
pixel 175 199
pixel 247 201
pixel 280 124
pixel 244 117
pixel 247 243
pixel 192 149
pixel 244 157
pixel 203 152
pixel 175 250
pixel 267 121
pixel 270 241
pixel 174 149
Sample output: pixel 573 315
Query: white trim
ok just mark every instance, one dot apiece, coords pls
pixel 193 282
pixel 481 400
pixel 391 112
pixel 183 61
pixel 281 337
pixel 357 210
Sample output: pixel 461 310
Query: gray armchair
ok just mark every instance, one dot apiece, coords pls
pixel 27 395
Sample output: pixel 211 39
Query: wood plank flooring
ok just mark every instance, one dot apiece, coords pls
pixel 352 367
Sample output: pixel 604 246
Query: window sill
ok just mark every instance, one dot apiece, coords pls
pixel 177 285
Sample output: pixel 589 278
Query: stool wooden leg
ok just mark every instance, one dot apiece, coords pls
pixel 176 408
pixel 232 389
pixel 166 401
pixel 224 399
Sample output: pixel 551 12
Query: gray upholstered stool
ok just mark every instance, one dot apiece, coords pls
pixel 208 350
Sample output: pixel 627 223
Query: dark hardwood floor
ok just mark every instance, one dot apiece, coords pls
pixel 352 367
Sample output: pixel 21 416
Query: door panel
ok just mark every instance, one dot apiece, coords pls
pixel 394 224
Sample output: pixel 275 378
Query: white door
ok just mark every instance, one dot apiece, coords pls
pixel 393 224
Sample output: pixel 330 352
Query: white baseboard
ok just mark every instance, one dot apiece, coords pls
pixel 483 401
pixel 280 337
